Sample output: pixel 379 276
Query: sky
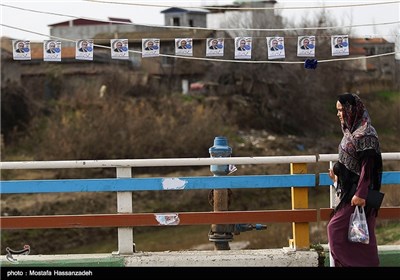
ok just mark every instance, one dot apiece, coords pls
pixel 36 24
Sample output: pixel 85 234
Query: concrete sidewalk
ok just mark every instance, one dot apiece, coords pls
pixel 241 258
pixel 66 260
pixel 285 257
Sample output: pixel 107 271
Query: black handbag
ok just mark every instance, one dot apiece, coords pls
pixel 374 199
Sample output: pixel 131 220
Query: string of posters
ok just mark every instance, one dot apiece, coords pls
pixel 306 46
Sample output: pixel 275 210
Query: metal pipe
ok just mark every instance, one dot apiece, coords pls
pixel 220 234
pixel 176 161
pixel 153 162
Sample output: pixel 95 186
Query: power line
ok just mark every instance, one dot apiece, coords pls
pixel 244 8
pixel 211 29
pixel 170 38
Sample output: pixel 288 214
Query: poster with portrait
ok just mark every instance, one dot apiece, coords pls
pixel 184 46
pixel 21 50
pixel 306 46
pixel 215 47
pixel 51 50
pixel 119 49
pixel 340 45
pixel 275 47
pixel 150 47
pixel 84 49
pixel 243 47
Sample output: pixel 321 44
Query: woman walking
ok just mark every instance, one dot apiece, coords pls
pixel 358 170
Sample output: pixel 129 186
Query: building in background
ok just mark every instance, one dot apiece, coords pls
pixel 88 29
pixel 164 69
pixel 367 71
pixel 193 17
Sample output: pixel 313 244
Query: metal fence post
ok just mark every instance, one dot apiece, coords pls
pixel 332 204
pixel 221 235
pixel 124 205
pixel 301 231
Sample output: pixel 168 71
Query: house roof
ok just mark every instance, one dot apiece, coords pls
pixel 252 1
pixel 357 50
pixel 120 19
pixel 185 10
pixel 82 21
pixel 368 41
pixel 237 4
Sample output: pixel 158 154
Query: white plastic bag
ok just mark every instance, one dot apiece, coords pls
pixel 358 227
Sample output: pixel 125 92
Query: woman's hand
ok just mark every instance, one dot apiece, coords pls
pixel 357 201
pixel 332 175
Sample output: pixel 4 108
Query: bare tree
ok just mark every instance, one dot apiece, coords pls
pixel 281 97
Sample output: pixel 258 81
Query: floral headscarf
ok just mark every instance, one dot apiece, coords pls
pixel 358 133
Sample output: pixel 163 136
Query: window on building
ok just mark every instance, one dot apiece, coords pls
pixel 167 61
pixel 176 21
pixel 191 23
pixel 370 51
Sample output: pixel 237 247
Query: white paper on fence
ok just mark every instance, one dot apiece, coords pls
pixel 173 184
pixel 170 219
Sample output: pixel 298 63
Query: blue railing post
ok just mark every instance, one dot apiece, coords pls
pixel 220 234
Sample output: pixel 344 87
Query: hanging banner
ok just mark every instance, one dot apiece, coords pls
pixel 150 47
pixel 276 47
pixel 119 49
pixel 21 50
pixel 243 47
pixel 52 50
pixel 184 46
pixel 215 47
pixel 340 45
pixel 306 46
pixel 84 49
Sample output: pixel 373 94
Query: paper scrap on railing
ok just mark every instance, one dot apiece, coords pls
pixel 168 219
pixel 173 184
